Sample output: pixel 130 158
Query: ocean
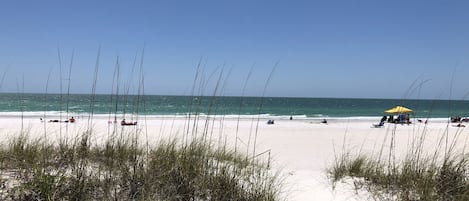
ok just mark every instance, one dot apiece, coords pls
pixel 12 104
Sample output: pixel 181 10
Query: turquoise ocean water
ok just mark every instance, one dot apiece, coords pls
pixel 154 105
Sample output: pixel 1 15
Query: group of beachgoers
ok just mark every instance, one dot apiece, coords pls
pixel 405 119
pixel 401 119
pixel 71 120
pixel 459 120
pixel 123 122
pixel 271 121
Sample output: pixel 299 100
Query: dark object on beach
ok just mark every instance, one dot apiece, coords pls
pixel 270 121
pixel 291 118
pixel 71 120
pixel 324 121
pixel 381 124
pixel 455 119
pixel 383 119
pixel 124 123
pixel 391 119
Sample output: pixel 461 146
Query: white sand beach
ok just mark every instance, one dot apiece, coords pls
pixel 301 150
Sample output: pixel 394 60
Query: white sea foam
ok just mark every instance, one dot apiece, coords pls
pixel 63 114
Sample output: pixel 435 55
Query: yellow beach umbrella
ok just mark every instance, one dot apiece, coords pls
pixel 399 110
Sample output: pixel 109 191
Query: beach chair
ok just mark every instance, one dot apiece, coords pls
pixel 381 124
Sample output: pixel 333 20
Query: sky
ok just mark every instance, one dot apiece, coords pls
pixel 341 49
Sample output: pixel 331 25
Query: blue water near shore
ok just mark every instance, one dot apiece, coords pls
pixel 278 107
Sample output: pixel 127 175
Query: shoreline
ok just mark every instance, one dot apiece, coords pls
pixel 56 114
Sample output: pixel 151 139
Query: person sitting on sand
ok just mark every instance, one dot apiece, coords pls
pixel 381 124
pixel 72 120
pixel 124 123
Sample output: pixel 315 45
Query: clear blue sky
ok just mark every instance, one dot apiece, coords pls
pixel 350 48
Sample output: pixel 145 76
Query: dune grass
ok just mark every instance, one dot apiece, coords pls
pixel 422 174
pixel 33 169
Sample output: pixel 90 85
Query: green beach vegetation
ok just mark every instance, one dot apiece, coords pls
pixel 121 169
pixel 422 173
